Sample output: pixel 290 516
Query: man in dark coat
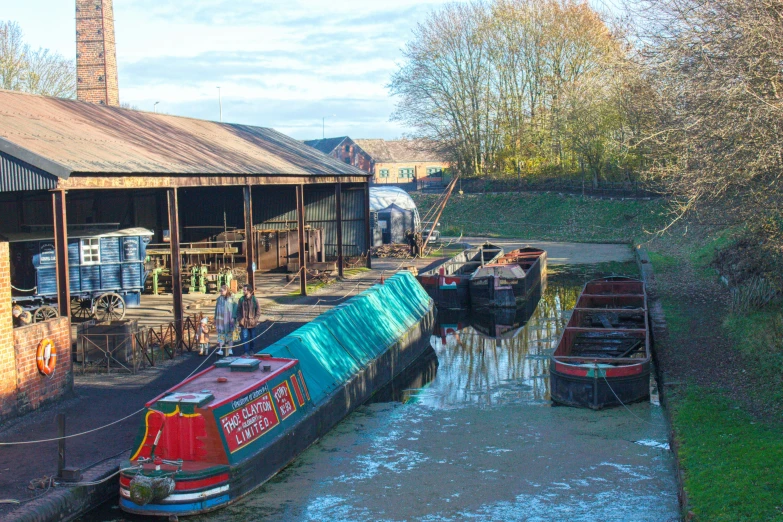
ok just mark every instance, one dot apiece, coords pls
pixel 248 317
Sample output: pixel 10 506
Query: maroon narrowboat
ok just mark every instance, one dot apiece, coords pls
pixel 448 284
pixel 509 280
pixel 603 357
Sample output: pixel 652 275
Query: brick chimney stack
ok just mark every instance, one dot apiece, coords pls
pixel 96 54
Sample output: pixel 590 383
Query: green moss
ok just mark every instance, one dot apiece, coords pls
pixel 548 217
pixel 732 463
pixel 663 263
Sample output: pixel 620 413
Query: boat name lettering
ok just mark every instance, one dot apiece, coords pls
pixel 246 424
pixel 284 399
pixel 251 396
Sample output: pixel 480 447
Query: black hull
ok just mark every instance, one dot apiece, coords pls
pixel 253 472
pixel 598 392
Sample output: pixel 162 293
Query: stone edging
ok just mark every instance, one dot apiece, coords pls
pixel 66 503
pixel 659 331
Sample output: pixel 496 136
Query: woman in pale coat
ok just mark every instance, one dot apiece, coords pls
pixel 225 320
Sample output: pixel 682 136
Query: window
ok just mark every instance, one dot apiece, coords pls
pixel 406 173
pixel 91 251
pixel 384 173
pixel 434 171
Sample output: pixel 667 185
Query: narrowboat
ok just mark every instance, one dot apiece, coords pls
pixel 508 281
pixel 220 434
pixel 505 323
pixel 603 357
pixel 447 284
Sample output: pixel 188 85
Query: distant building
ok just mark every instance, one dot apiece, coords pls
pixel 345 150
pixel 404 161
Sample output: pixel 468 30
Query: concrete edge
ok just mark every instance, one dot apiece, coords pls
pixel 659 330
pixel 66 503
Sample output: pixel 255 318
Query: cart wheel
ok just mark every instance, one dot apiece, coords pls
pixel 81 308
pixel 44 314
pixel 110 307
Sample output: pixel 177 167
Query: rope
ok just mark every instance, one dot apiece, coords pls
pixel 628 409
pixel 96 482
pixel 75 434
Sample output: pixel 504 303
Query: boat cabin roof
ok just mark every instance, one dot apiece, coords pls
pixel 241 374
pixel 509 271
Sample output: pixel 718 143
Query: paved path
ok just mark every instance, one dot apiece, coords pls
pixel 561 253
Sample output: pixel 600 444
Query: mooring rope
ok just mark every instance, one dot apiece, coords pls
pixel 628 409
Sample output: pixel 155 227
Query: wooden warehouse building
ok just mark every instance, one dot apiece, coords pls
pixel 67 162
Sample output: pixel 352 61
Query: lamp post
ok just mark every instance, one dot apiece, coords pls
pixel 155 107
pixel 220 104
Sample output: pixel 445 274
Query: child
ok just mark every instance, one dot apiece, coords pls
pixel 202 337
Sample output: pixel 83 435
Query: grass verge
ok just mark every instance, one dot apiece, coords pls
pixel 731 462
pixel 548 217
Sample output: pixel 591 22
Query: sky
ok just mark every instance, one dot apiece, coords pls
pixel 286 65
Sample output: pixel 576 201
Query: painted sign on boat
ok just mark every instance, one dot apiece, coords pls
pixel 284 400
pixel 247 423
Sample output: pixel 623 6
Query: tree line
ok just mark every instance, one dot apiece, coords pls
pixel 35 71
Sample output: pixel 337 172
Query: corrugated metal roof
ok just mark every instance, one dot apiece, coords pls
pixel 402 151
pixel 65 136
pixel 16 175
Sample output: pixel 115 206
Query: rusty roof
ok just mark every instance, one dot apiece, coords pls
pixel 326 145
pixel 62 137
pixel 402 151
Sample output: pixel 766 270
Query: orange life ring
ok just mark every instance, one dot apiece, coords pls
pixel 46 357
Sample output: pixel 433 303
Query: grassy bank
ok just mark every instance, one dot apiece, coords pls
pixel 547 217
pixel 726 402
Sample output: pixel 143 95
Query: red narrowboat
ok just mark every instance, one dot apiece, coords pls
pixel 603 357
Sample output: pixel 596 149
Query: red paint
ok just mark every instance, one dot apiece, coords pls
pixel 283 400
pixel 299 396
pixel 304 385
pixel 189 485
pixel 246 424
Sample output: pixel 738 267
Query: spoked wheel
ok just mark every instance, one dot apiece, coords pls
pixel 81 308
pixel 110 307
pixel 44 314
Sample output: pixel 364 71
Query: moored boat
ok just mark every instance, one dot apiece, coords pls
pixel 508 281
pixel 448 283
pixel 225 431
pixel 603 357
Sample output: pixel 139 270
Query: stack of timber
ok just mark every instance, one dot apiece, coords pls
pixel 603 357
pixel 510 280
pixel 220 434
pixel 448 284
pixel 397 251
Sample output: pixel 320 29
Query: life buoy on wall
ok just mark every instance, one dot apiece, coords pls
pixel 46 357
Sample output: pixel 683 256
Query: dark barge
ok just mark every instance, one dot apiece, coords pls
pixel 603 357
pixel 222 433
pixel 448 284
pixel 509 280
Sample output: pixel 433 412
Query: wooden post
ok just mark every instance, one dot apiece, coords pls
pixel 300 218
pixel 61 253
pixel 250 250
pixel 338 196
pixel 367 229
pixel 176 264
pixel 60 444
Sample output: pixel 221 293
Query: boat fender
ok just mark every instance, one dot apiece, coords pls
pixel 144 489
pixel 46 356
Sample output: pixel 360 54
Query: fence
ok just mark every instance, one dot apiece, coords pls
pixel 124 346
pixel 614 189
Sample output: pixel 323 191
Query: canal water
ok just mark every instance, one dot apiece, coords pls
pixel 469 433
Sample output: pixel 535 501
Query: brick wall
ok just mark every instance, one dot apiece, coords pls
pixel 33 388
pixel 96 53
pixel 22 387
pixel 419 171
pixel 7 354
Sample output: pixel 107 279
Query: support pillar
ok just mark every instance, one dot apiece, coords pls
pixel 250 252
pixel 367 224
pixel 176 263
pixel 300 219
pixel 61 253
pixel 338 197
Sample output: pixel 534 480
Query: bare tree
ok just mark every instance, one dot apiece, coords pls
pixel 38 72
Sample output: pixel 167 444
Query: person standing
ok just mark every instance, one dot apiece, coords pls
pixel 202 337
pixel 225 320
pixel 248 316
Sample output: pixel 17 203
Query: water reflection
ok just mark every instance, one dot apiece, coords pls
pixel 408 384
pixel 494 357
